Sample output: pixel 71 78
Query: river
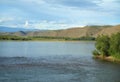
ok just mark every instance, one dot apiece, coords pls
pixel 39 61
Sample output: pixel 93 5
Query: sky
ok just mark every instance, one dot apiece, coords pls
pixel 58 14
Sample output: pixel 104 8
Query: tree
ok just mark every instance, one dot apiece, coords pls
pixel 108 46
pixel 103 45
pixel 115 44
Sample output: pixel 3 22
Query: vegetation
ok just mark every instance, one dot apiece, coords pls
pixel 108 46
pixel 9 37
pixel 81 38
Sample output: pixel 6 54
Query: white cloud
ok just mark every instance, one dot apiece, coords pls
pixel 26 24
pixel 109 5
pixel 6 19
pixel 48 25
pixel 51 25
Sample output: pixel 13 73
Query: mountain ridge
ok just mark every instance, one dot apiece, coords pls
pixel 11 29
pixel 87 31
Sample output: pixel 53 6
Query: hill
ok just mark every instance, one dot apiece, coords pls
pixel 109 31
pixel 11 29
pixel 87 31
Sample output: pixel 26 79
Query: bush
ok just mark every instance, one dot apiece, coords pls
pixel 108 46
pixel 103 45
pixel 115 44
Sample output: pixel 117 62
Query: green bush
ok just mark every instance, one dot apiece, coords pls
pixel 103 45
pixel 115 44
pixel 108 46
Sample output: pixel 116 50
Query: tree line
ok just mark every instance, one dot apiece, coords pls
pixel 10 37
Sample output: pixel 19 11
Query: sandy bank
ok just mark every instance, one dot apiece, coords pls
pixel 108 58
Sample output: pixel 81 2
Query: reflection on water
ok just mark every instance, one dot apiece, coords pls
pixel 53 62
pixel 36 49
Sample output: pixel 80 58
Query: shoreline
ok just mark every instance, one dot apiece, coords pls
pixel 108 58
pixel 52 40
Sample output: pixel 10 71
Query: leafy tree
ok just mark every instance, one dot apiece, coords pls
pixel 103 45
pixel 108 46
pixel 115 44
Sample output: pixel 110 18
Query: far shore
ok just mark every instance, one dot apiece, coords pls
pixel 51 40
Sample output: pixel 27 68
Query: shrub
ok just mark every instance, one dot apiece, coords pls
pixel 103 45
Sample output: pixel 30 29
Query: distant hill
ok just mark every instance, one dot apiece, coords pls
pixel 109 31
pixel 90 31
pixel 10 29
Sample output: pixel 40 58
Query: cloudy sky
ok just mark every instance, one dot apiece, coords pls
pixel 58 14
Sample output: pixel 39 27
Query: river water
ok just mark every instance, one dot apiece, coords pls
pixel 54 62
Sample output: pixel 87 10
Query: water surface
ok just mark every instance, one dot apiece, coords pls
pixel 54 62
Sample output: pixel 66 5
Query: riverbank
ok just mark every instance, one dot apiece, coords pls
pixel 107 58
